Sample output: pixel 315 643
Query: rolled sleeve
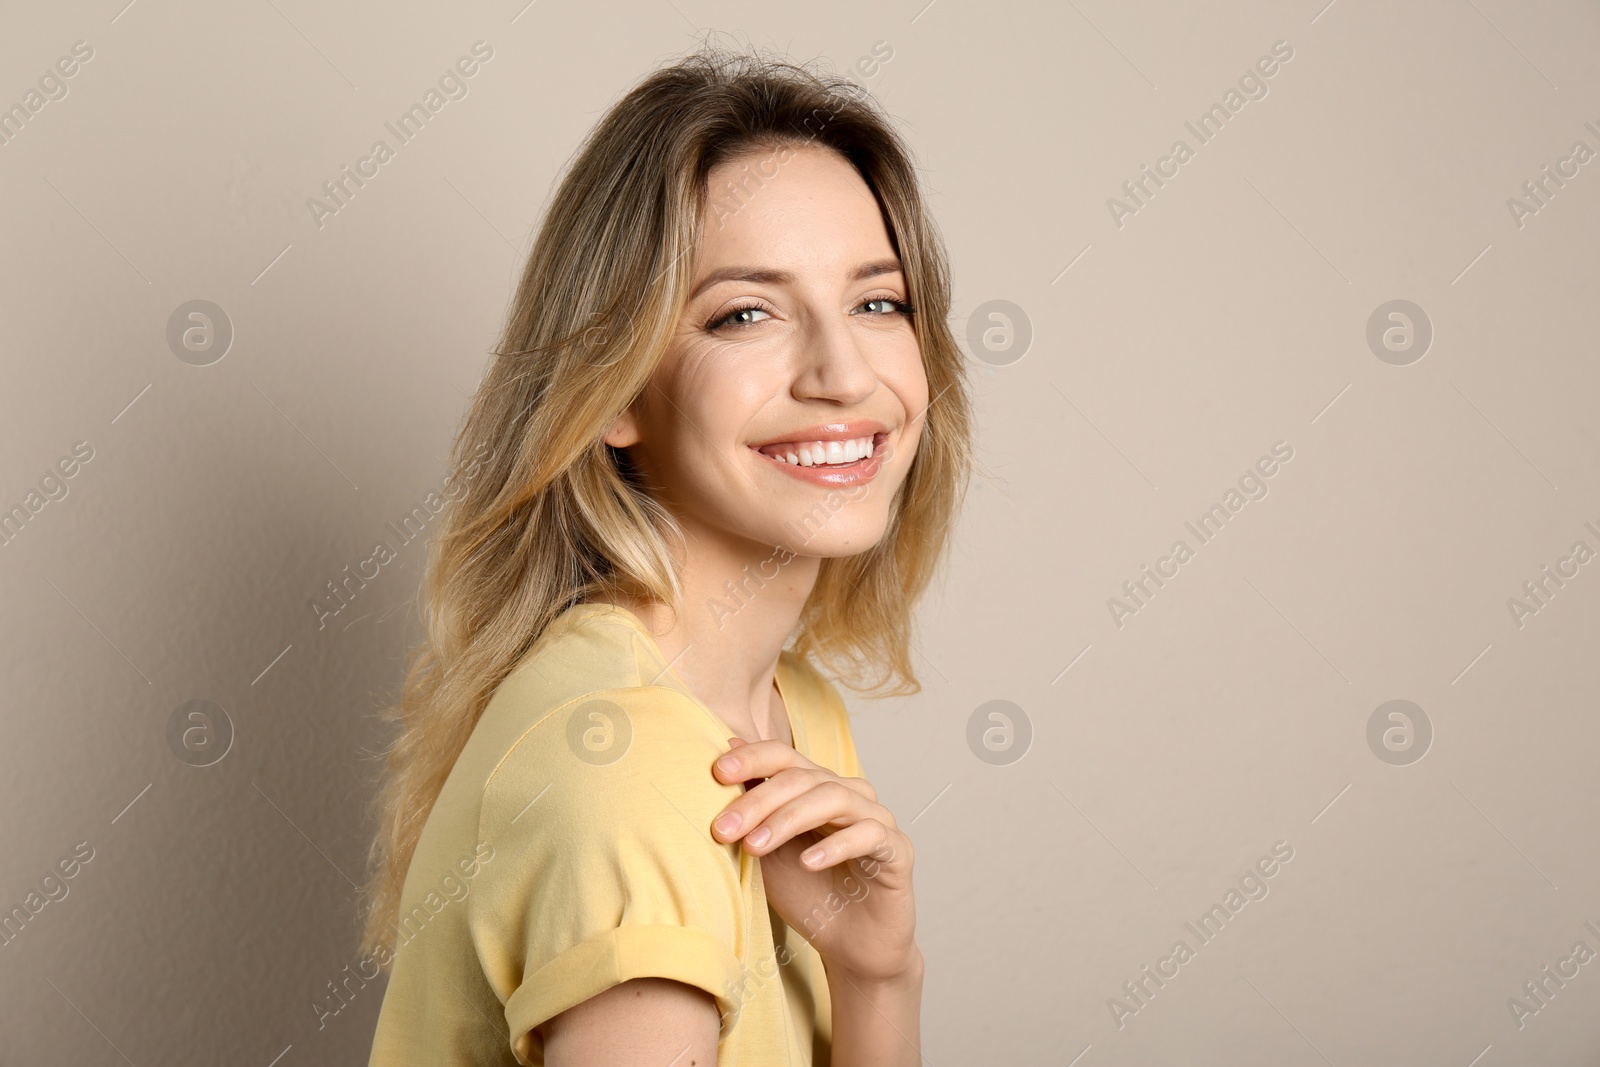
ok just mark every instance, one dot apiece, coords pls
pixel 605 869
pixel 611 957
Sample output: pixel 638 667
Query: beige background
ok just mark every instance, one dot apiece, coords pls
pixel 1230 312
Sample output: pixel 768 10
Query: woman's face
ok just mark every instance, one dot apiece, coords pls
pixel 794 356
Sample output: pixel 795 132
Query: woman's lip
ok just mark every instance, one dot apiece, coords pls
pixel 843 475
pixel 878 441
pixel 831 431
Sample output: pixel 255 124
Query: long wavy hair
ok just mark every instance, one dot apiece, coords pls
pixel 553 515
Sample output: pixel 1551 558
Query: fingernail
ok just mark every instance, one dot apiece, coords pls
pixel 727 764
pixel 758 836
pixel 727 822
pixel 812 856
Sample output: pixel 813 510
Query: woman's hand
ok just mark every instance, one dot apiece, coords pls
pixel 853 902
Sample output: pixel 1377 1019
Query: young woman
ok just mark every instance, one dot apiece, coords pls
pixel 724 434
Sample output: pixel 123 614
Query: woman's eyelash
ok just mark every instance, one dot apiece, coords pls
pixel 722 320
pixel 902 307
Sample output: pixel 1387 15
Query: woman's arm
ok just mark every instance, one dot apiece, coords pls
pixel 877 1021
pixel 643 1022
pixel 861 873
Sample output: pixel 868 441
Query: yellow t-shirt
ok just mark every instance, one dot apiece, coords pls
pixel 571 850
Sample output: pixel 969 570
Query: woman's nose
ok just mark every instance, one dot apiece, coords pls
pixel 833 365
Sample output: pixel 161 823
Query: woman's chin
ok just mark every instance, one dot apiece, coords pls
pixel 840 538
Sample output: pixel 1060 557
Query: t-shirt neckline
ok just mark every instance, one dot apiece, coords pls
pixel 780 671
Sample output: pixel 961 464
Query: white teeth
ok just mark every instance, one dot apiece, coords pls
pixel 830 453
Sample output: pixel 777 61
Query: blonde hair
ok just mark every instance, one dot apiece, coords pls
pixel 552 515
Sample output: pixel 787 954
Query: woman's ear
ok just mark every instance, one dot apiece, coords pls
pixel 624 431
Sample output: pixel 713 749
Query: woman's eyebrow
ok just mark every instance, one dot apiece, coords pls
pixel 772 276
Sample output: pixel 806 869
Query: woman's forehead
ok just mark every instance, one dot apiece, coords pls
pixel 812 217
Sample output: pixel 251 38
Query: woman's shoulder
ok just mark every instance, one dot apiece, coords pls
pixel 586 649
pixel 590 703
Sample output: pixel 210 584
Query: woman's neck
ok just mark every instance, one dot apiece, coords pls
pixel 725 640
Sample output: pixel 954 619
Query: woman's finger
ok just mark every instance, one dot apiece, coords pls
pixel 757 759
pixel 827 807
pixel 868 839
pixel 758 803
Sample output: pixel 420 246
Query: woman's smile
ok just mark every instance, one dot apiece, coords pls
pixel 835 455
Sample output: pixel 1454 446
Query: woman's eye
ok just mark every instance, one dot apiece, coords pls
pixel 884 305
pixel 730 317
